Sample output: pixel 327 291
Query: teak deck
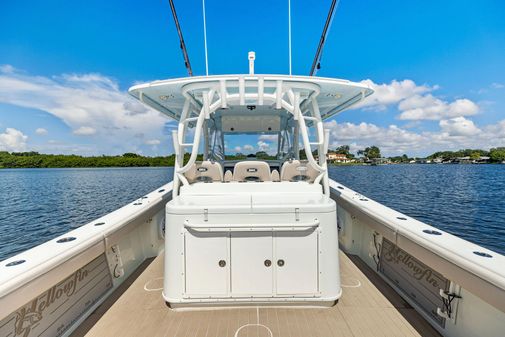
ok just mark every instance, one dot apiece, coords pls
pixel 368 307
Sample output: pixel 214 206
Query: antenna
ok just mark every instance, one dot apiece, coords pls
pixel 181 39
pixel 205 40
pixel 289 34
pixel 316 65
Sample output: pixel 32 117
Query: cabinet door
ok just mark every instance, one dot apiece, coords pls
pixel 251 264
pixel 296 263
pixel 207 264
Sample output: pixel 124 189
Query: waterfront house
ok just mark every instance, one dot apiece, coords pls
pixel 380 161
pixel 482 160
pixel 337 157
pixel 462 160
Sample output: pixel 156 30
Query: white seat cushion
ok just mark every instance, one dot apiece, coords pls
pixel 251 171
pixel 205 171
pixel 298 170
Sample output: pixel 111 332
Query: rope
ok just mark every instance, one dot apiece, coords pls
pixel 378 249
pixel 448 302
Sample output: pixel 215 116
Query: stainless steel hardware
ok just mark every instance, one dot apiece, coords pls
pixel 268 263
pixel 280 263
pixel 222 263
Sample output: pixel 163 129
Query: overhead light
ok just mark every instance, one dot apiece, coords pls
pixel 335 95
pixel 166 97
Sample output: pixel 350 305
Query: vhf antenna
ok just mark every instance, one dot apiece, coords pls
pixel 316 65
pixel 181 39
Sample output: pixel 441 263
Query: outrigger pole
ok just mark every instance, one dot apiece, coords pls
pixel 181 39
pixel 316 65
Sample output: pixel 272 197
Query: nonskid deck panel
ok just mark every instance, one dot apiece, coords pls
pixel 362 311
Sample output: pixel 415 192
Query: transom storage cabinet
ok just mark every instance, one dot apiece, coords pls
pixel 238 247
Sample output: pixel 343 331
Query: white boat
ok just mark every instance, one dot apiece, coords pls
pixel 271 247
pixel 251 232
pixel 253 246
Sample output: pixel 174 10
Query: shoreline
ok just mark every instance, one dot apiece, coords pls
pixel 171 166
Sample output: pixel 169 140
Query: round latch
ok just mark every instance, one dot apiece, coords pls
pixel 268 263
pixel 280 263
pixel 222 263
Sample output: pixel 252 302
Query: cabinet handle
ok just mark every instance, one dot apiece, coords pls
pixel 268 263
pixel 222 263
pixel 280 263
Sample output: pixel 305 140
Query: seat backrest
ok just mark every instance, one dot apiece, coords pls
pixel 205 171
pixel 298 170
pixel 251 171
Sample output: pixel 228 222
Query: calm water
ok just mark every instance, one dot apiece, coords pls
pixel 464 200
pixel 37 205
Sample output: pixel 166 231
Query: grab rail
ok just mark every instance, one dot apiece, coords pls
pixel 299 226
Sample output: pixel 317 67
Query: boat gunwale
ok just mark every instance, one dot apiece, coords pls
pixel 491 271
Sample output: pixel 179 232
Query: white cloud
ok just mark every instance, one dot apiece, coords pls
pixel 268 138
pixel 392 93
pixel 6 69
pixel 90 104
pixel 41 132
pixel 496 85
pixel 237 149
pixel 153 142
pixel 429 107
pixel 248 147
pixel 13 140
pixel 262 146
pixel 84 131
pixel 392 139
pixel 496 131
pixel 459 126
pixel 415 102
pixel 456 133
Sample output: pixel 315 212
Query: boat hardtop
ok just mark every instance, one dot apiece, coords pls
pixel 168 96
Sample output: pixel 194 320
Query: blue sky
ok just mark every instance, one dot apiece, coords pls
pixel 438 68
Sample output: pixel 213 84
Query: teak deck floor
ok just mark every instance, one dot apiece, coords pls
pixel 368 307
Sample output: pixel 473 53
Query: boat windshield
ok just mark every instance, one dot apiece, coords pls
pixel 251 146
pixel 234 138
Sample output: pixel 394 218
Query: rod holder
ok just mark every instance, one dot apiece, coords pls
pixel 251 56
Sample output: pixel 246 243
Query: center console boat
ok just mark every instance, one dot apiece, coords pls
pixel 255 229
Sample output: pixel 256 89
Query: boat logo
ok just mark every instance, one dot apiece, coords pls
pixel 418 281
pixel 31 314
pixel 417 270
